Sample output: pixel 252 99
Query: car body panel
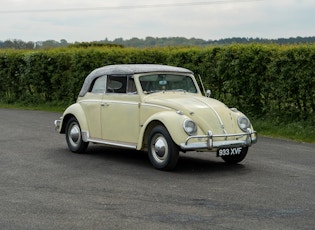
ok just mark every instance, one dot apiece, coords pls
pixel 120 118
pixel 77 111
pixel 92 107
pixel 171 120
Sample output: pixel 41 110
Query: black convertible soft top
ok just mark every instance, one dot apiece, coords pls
pixel 128 69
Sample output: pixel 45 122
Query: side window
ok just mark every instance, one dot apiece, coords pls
pixel 99 85
pixel 131 86
pixel 116 84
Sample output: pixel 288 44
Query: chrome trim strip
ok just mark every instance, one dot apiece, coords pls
pixel 86 138
pixel 121 102
pixel 158 106
pixel 90 100
pixel 113 143
pixel 251 138
pixel 110 101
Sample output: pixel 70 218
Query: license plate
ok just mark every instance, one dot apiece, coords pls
pixel 229 151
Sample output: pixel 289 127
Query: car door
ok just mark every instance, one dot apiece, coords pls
pixel 120 112
pixel 92 107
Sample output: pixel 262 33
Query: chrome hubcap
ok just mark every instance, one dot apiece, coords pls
pixel 159 147
pixel 75 134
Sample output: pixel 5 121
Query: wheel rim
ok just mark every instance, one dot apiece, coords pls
pixel 159 148
pixel 74 134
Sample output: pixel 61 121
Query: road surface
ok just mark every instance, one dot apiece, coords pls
pixel 44 186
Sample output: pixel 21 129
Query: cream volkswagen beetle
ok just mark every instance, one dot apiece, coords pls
pixel 156 108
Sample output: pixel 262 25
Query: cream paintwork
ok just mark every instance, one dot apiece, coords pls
pixel 91 105
pixel 77 111
pixel 122 119
pixel 173 123
pixel 208 113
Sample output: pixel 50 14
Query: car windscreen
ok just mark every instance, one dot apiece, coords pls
pixel 167 82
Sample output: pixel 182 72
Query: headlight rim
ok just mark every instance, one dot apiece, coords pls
pixel 193 131
pixel 240 124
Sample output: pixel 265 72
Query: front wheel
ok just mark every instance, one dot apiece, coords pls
pixel 163 152
pixel 234 159
pixel 74 136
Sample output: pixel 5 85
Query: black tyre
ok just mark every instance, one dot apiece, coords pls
pixel 163 152
pixel 74 136
pixel 234 159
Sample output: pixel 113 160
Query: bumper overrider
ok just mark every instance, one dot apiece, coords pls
pixel 211 143
pixel 57 124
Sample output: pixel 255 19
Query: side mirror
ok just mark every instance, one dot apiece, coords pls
pixel 208 93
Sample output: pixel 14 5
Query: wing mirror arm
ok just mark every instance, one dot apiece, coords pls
pixel 208 92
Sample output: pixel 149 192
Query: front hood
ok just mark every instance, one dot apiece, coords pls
pixel 208 113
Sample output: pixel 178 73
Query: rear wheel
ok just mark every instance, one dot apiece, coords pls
pixel 234 159
pixel 74 136
pixel 163 152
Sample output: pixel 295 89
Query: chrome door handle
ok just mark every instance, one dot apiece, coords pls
pixel 104 104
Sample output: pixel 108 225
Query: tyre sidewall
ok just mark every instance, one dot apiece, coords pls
pixel 173 151
pixel 81 146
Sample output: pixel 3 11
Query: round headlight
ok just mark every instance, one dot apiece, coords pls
pixel 243 123
pixel 190 127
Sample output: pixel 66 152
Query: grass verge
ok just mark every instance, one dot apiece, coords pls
pixel 39 107
pixel 300 131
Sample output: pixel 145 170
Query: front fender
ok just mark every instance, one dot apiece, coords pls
pixel 76 111
pixel 172 121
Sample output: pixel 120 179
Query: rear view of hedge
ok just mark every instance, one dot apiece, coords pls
pixel 258 79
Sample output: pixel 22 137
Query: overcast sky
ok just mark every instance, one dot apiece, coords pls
pixel 93 20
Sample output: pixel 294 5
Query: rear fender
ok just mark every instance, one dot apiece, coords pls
pixel 74 110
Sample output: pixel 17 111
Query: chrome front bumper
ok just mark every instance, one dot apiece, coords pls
pixel 57 124
pixel 210 143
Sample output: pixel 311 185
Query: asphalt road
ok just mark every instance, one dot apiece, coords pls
pixel 44 186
